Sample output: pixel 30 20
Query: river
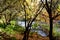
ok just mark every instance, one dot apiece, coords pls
pixel 39 31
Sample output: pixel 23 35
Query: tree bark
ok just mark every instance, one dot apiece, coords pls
pixel 26 33
pixel 51 29
pixel 51 24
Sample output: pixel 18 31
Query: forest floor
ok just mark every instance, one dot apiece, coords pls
pixel 34 36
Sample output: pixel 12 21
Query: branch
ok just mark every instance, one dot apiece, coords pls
pixel 55 5
pixel 47 7
pixel 7 7
pixel 24 10
pixel 36 15
pixel 37 12
pixel 55 16
pixel 4 9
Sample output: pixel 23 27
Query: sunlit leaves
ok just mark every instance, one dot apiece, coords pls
pixel 12 22
pixel 58 8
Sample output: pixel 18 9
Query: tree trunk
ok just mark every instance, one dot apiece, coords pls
pixel 26 33
pixel 51 29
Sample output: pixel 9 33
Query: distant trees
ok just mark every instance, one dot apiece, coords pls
pixel 9 10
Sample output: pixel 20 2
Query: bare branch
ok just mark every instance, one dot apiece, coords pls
pixel 47 6
pixel 38 12
pixel 55 16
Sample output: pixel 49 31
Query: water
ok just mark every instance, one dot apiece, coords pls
pixel 22 23
pixel 40 32
pixel 58 30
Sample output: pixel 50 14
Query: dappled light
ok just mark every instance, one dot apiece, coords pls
pixel 29 19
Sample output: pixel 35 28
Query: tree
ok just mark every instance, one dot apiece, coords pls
pixel 29 25
pixel 50 8
pixel 9 10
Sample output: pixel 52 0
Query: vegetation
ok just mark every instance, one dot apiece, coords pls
pixel 42 15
